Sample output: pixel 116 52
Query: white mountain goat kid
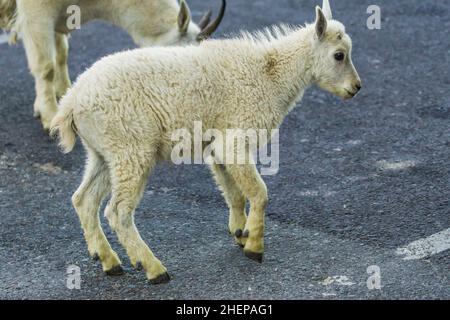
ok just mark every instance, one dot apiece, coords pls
pixel 125 107
pixel 44 29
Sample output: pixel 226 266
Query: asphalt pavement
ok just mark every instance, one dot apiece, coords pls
pixel 358 180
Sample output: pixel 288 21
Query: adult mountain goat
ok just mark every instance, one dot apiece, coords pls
pixel 125 107
pixel 44 28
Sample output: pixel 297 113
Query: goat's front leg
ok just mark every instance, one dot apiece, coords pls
pixel 62 80
pixel 39 41
pixel 254 189
pixel 235 201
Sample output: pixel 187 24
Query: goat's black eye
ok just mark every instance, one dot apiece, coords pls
pixel 339 56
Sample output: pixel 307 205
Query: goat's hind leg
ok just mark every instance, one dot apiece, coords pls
pixel 128 184
pixel 235 200
pixel 87 201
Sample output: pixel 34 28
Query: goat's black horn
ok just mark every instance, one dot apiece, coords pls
pixel 209 29
pixel 205 20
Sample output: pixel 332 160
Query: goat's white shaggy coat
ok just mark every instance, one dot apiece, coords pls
pixel 43 26
pixel 127 105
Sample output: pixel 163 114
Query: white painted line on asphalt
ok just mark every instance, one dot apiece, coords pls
pixel 400 165
pixel 426 247
pixel 339 280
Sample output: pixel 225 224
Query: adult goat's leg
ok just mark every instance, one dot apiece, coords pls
pixel 253 187
pixel 234 199
pixel 87 201
pixel 62 80
pixel 39 41
pixel 128 184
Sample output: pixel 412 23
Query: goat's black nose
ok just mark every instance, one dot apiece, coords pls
pixel 358 87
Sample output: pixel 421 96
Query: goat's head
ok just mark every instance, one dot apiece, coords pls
pixel 333 68
pixel 186 31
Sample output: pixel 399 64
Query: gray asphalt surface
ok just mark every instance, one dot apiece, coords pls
pixel 334 209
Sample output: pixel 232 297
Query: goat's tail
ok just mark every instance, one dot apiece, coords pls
pixel 63 126
pixel 8 18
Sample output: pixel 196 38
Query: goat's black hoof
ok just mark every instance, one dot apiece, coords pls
pixel 139 266
pixel 95 257
pixel 258 257
pixel 163 278
pixel 238 233
pixel 115 271
pixel 246 234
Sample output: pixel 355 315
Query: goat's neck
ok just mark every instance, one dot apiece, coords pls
pixel 292 67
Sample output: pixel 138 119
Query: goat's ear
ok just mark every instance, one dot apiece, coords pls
pixel 184 17
pixel 321 23
pixel 327 10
